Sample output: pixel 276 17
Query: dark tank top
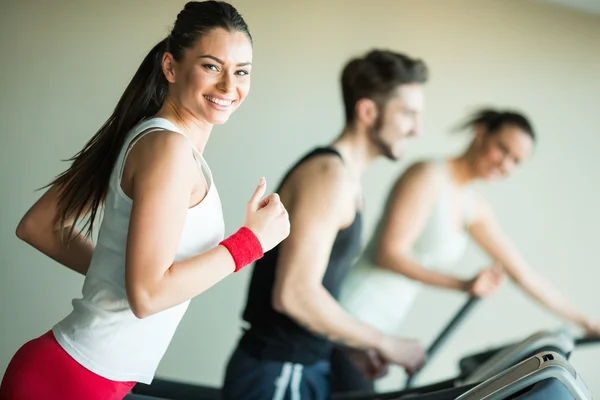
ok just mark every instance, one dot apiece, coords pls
pixel 275 336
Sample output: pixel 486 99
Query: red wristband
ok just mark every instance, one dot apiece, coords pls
pixel 244 246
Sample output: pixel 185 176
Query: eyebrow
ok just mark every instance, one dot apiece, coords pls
pixel 516 158
pixel 221 61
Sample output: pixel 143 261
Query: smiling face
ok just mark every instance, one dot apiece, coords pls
pixel 213 77
pixel 499 153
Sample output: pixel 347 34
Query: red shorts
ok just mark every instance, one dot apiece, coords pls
pixel 42 370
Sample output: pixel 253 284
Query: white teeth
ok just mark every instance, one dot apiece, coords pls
pixel 218 101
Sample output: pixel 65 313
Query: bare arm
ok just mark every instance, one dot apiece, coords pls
pixel 161 195
pixel 408 208
pixel 320 207
pixel 323 203
pixel 163 178
pixel 488 233
pixel 161 186
pixel 37 228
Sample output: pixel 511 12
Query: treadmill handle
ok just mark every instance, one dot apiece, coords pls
pixel 445 334
pixel 583 341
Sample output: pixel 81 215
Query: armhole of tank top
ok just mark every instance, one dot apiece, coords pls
pixel 331 150
pixel 129 146
pixel 313 153
pixel 140 135
pixel 319 151
pixel 360 203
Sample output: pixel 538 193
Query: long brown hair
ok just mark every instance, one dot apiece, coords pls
pixel 83 186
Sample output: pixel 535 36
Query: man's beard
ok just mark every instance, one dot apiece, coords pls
pixel 384 148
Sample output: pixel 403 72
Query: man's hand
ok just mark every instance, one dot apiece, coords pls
pixel 371 364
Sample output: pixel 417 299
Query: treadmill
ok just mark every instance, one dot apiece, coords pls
pixel 544 376
pixel 555 342
pixel 474 369
pixel 518 365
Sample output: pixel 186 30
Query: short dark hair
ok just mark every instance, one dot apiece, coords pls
pixel 376 75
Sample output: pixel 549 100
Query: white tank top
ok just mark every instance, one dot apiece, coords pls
pixel 382 297
pixel 102 333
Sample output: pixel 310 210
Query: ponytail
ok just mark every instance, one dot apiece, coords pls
pixel 493 120
pixel 83 186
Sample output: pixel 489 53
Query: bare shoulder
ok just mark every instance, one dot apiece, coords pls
pixel 325 175
pixel 321 188
pixel 158 158
pixel 327 167
pixel 418 176
pixel 160 149
pixel 420 171
pixel 319 171
pixel 163 144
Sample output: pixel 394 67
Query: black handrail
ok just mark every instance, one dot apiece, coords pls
pixel 584 341
pixel 445 334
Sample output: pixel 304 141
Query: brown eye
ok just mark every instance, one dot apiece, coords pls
pixel 211 67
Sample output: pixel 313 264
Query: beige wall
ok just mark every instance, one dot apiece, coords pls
pixel 64 65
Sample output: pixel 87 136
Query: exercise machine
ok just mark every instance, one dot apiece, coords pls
pixel 544 376
pixel 475 369
pixel 547 375
pixel 479 366
pixel 556 342
pixel 491 366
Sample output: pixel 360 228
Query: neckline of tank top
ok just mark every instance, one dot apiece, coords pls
pixel 443 163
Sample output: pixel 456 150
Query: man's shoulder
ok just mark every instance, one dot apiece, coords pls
pixel 322 171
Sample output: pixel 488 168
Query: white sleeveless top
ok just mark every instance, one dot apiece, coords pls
pixel 102 333
pixel 382 297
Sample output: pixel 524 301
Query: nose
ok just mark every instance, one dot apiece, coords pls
pixel 226 83
pixel 416 129
pixel 507 166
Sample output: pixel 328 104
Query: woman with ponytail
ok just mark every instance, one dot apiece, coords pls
pixel 430 215
pixel 161 241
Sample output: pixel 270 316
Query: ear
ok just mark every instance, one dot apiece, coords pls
pixel 367 112
pixel 168 67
